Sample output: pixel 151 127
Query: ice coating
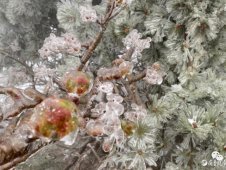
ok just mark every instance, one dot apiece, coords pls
pixel 55 118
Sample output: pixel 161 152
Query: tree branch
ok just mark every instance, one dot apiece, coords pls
pixel 24 99
pixel 136 77
pixel 96 42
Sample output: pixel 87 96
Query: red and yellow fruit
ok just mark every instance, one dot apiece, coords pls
pixel 55 118
pixel 78 83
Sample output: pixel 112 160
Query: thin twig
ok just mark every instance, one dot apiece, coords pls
pixel 19 96
pixel 136 77
pixel 85 58
pixel 94 152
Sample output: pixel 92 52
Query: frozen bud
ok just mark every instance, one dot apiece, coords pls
pixel 128 127
pixel 72 44
pixel 111 123
pixel 193 122
pixel 55 118
pixel 106 87
pixel 133 40
pixel 115 108
pixel 125 68
pixel 87 14
pixel 114 98
pixel 119 136
pixel 78 83
pixel 137 113
pixel 94 128
pixel 154 74
pixel 108 143
pixel 99 110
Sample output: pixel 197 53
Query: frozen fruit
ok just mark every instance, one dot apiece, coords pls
pixel 55 118
pixel 78 83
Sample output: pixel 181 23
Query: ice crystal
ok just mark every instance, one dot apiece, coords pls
pixel 154 74
pixel 106 87
pixel 114 98
pixel 133 40
pixel 95 128
pixel 115 108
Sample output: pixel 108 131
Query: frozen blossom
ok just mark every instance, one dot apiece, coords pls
pixel 133 40
pixel 43 73
pixel 108 121
pixel 115 108
pixel 53 45
pixel 106 87
pixel 95 128
pixel 87 14
pixel 154 74
pixel 99 109
pixel 122 69
pixel 126 67
pixel 137 113
pixel 115 98
pixel 108 144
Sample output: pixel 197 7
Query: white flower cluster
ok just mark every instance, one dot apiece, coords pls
pixel 133 134
pixel 108 121
pixel 87 14
pixel 133 40
pixel 67 43
pixel 41 72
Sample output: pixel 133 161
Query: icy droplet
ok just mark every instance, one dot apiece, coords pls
pixel 55 118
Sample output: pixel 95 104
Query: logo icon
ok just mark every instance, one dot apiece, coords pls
pixel 217 160
pixel 216 155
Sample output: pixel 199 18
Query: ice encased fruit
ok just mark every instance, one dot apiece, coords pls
pixel 78 83
pixel 55 118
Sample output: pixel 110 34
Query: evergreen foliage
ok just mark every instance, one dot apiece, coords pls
pixel 182 119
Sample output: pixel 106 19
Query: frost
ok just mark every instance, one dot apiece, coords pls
pixel 88 14
pixel 53 45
